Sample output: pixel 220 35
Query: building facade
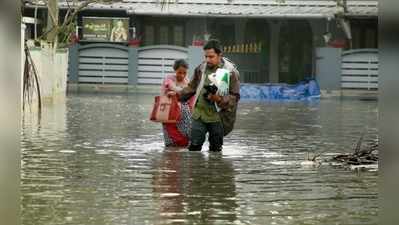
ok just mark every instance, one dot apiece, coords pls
pixel 271 41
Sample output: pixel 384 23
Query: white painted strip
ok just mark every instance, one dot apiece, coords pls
pixel 359 79
pixel 156 62
pixel 356 60
pixel 90 60
pixel 90 73
pixel 102 80
pixel 150 75
pixel 103 61
pixel 84 73
pixel 149 81
pixel 155 68
pixel 90 67
pixel 117 61
pixel 116 67
pixel 359 65
pixel 359 72
pixel 95 67
pixel 360 85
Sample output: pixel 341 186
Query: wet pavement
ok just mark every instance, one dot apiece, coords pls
pixel 97 159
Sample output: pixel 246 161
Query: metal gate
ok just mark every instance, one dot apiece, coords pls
pixel 155 62
pixel 252 67
pixel 103 64
pixel 360 69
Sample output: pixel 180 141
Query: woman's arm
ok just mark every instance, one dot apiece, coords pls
pixel 165 87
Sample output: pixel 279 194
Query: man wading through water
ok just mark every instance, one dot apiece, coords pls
pixel 214 111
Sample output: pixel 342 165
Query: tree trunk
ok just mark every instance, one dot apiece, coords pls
pixel 52 21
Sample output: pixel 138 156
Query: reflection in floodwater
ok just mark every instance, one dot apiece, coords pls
pixel 195 188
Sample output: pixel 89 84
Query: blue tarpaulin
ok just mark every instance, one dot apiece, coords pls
pixel 304 90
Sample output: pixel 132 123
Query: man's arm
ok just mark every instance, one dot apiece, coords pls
pixel 187 92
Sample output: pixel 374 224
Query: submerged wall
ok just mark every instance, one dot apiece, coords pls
pixel 52 72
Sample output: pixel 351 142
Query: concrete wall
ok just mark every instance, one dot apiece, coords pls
pixel 52 73
pixel 23 28
pixel 328 68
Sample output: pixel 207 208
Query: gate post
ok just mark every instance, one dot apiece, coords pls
pixel 274 52
pixel 195 58
pixel 133 59
pixel 328 68
pixel 74 63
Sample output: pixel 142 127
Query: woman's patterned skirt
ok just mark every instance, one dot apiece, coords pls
pixel 178 134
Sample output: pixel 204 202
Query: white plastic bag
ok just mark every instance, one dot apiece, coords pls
pixel 221 78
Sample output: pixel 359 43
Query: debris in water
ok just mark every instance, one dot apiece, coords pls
pixel 367 155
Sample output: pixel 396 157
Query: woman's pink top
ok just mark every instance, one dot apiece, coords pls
pixel 169 84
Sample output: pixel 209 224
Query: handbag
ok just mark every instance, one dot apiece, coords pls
pixel 165 109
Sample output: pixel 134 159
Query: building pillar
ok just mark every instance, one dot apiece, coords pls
pixel 328 68
pixel 274 51
pixel 73 69
pixel 133 57
pixel 195 58
pixel 319 28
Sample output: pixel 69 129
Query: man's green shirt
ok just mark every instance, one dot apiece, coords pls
pixel 204 109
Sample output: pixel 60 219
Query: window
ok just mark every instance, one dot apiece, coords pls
pixel 157 31
pixel 149 35
pixel 364 34
pixel 226 33
pixel 163 35
pixel 178 36
pixel 371 37
pixel 356 37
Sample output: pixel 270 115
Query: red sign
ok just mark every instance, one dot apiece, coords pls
pixel 338 43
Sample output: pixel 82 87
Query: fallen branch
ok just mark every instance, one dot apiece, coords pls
pixel 366 156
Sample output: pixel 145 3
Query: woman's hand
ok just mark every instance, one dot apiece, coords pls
pixel 171 93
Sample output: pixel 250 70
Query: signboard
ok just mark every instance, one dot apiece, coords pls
pixel 105 29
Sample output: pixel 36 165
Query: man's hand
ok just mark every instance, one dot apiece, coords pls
pixel 214 98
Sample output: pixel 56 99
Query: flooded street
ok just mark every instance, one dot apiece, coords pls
pixel 97 159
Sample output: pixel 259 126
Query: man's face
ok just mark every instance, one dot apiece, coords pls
pixel 212 58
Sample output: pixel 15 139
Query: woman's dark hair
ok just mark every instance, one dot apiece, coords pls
pixel 180 63
pixel 213 44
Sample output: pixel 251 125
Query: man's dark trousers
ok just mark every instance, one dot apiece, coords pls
pixel 198 133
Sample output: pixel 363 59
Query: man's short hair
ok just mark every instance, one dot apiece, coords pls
pixel 180 63
pixel 213 44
